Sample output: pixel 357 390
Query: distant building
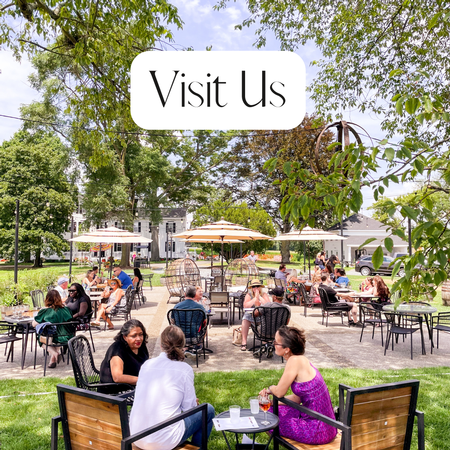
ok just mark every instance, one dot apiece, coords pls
pixel 357 229
pixel 173 221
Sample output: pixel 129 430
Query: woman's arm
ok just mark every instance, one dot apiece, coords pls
pixel 251 302
pixel 119 295
pixel 82 311
pixel 289 375
pixel 118 376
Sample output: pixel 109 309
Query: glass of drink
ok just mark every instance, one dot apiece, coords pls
pixel 235 412
pixel 264 404
pixel 254 405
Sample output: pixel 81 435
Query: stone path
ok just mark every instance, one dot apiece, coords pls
pixel 327 347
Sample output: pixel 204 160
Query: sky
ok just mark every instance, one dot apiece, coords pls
pixel 203 27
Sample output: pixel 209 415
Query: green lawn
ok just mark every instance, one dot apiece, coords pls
pixel 25 420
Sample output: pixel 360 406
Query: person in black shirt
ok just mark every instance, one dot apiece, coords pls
pixel 79 303
pixel 333 260
pixel 125 356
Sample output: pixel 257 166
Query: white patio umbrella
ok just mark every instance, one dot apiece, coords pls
pixel 309 234
pixel 222 231
pixel 110 235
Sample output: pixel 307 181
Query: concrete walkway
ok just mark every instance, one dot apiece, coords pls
pixel 327 347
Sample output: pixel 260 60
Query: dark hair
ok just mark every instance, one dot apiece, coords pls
pixel 190 292
pixel 382 290
pixel 282 266
pixel 293 338
pixel 128 326
pixel 53 300
pixel 324 277
pixel 137 273
pixel 89 272
pixel 80 290
pixel 173 343
pixel 95 268
pixel 341 272
pixel 329 268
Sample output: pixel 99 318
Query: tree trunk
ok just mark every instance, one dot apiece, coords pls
pixel 27 257
pixel 125 259
pixel 285 252
pixel 37 259
pixel 155 244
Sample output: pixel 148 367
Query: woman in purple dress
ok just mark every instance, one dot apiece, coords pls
pixel 308 387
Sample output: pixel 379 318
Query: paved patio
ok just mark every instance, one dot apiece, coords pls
pixel 335 346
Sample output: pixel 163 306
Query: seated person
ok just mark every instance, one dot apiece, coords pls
pixel 89 280
pixel 332 297
pixel 255 297
pixel 367 285
pixel 125 356
pixel 165 388
pixel 79 303
pixel 341 277
pixel 192 298
pixel 292 288
pixel 125 280
pixel 320 260
pixel 63 283
pixel 317 276
pixel 281 272
pixel 97 276
pixel 137 277
pixel 55 312
pixel 380 290
pixel 115 296
pixel 329 271
pixel 308 387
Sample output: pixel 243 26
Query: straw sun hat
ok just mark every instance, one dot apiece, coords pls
pixel 256 283
pixel 116 280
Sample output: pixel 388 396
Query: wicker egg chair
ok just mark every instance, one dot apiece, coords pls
pixel 180 274
pixel 239 272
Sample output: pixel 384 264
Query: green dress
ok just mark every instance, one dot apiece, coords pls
pixel 63 332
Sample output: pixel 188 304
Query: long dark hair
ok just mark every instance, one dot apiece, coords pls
pixel 128 326
pixel 137 273
pixel 382 289
pixel 80 290
pixel 293 339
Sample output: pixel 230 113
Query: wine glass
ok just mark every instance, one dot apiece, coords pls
pixel 264 404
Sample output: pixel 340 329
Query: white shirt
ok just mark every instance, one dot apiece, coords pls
pixel 253 258
pixel 64 293
pixel 164 389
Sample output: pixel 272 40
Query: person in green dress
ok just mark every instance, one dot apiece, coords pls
pixel 55 312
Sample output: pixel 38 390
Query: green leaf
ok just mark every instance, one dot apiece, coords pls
pixel 396 268
pixel 394 73
pixel 409 212
pixel 377 257
pixel 367 241
pixel 399 105
pixel 411 105
pixel 442 258
pixel 434 20
pixel 389 153
pixel 287 168
pixel 389 244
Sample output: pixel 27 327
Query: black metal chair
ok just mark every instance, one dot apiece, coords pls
pixel 123 309
pixel 331 309
pixel 8 335
pixel 308 299
pixel 267 322
pixel 86 375
pixel 371 316
pixel 99 421
pixel 403 325
pixel 139 295
pixel 380 417
pixel 441 322
pixel 63 330
pixel 86 326
pixel 37 297
pixel 194 324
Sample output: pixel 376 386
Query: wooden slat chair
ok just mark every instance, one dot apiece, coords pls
pixel 371 418
pixel 91 420
pixel 220 303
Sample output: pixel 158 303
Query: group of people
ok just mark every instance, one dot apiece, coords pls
pixel 168 381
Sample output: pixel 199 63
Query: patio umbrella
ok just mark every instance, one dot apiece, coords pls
pixel 309 234
pixel 110 235
pixel 222 231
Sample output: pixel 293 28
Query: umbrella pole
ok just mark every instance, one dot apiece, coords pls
pixel 221 265
pixel 111 261
pixel 100 258
pixel 212 254
pixel 309 262
pixel 304 256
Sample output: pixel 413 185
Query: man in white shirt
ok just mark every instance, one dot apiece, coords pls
pixel 252 257
pixel 63 283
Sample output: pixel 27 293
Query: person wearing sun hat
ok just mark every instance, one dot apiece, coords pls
pixel 115 295
pixel 255 297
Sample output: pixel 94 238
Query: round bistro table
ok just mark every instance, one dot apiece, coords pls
pixel 273 423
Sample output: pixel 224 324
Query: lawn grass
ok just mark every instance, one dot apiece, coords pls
pixel 25 420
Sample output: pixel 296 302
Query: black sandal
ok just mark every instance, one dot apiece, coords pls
pixel 244 348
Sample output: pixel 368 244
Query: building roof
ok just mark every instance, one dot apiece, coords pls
pixel 175 213
pixel 359 222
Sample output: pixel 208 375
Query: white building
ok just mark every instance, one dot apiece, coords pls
pixel 357 229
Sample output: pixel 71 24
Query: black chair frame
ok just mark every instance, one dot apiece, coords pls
pixel 371 316
pixel 441 322
pixel 331 309
pixel 8 335
pixel 123 312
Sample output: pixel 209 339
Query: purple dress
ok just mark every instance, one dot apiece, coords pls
pixel 301 427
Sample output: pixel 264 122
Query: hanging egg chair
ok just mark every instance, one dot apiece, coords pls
pixel 239 272
pixel 180 274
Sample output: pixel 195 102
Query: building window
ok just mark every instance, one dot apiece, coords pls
pixel 139 227
pixel 167 246
pixel 171 227
pixel 117 247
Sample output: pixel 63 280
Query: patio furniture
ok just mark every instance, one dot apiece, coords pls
pixel 376 417
pixel 180 274
pixel 99 421
pixel 86 375
pixel 139 295
pixel 404 325
pixel 240 272
pixel 267 322
pixel 441 322
pixel 123 312
pixel 86 326
pixel 194 324
pixel 370 316
pixel 220 303
pixel 8 333
pixel 37 297
pixel 308 299
pixel 149 279
pixel 64 329
pixel 331 309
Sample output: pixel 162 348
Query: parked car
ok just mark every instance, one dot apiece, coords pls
pixel 364 265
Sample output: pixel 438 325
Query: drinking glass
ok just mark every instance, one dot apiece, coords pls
pixel 235 412
pixel 254 405
pixel 264 404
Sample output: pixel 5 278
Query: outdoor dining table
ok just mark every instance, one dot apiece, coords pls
pixel 357 296
pixel 96 297
pixel 415 309
pixel 26 323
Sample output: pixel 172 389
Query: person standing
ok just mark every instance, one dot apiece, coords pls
pixel 125 280
pixel 164 389
pixel 252 257
pixel 333 260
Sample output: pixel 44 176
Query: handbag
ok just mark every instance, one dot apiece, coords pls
pixel 237 336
